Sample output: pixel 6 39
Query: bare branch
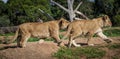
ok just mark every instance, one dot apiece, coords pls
pixel 41 10
pixel 77 7
pixel 72 1
pixel 40 20
pixel 80 13
pixel 78 18
pixel 60 6
pixel 46 14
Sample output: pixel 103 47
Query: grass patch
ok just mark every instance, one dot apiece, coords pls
pixel 114 46
pixel 116 57
pixel 77 53
pixel 8 34
pixel 49 39
pixel 62 30
pixel 112 33
pixel 61 36
pixel 37 39
pixel 46 39
pixel 33 39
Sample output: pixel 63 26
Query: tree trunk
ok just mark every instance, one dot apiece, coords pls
pixel 70 9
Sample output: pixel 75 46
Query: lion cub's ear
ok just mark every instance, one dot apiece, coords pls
pixel 105 18
pixel 62 19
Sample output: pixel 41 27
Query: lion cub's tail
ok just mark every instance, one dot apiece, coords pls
pixel 15 37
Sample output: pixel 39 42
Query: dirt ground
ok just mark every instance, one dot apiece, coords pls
pixel 45 50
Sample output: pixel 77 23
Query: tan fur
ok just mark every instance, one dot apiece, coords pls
pixel 87 27
pixel 39 30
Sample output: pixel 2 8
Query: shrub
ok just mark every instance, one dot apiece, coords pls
pixel 112 33
pixel 116 20
pixel 4 21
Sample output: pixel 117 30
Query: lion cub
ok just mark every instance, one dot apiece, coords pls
pixel 39 30
pixel 89 28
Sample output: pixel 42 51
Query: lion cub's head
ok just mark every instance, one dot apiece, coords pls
pixel 107 21
pixel 63 23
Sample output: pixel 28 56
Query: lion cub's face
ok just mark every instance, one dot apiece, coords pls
pixel 64 23
pixel 107 21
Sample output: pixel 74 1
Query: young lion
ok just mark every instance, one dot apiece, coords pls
pixel 87 27
pixel 39 30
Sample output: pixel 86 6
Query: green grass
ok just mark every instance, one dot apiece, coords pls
pixel 37 39
pixel 112 33
pixel 7 34
pixel 33 39
pixel 114 46
pixel 62 30
pixel 77 53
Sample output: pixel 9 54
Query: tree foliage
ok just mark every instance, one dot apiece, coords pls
pixel 57 12
pixel 109 7
pixel 20 11
pixel 15 12
pixel 87 8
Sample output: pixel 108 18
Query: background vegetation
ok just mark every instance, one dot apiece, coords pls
pixel 15 12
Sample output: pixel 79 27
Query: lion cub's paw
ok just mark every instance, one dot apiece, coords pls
pixel 91 44
pixel 61 44
pixel 108 40
pixel 40 41
pixel 77 45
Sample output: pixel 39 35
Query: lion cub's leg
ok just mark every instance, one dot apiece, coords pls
pixel 104 37
pixel 59 42
pixel 75 44
pixel 24 39
pixel 89 38
pixel 55 35
pixel 72 39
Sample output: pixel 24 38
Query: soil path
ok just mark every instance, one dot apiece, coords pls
pixel 44 50
pixel 34 50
